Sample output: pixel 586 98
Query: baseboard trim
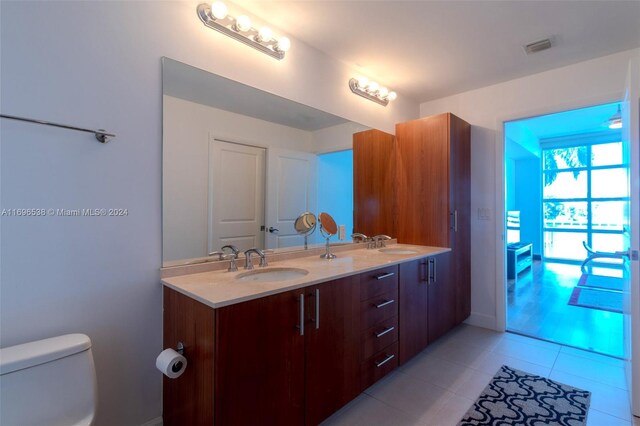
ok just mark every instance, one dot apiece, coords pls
pixel 481 320
pixel 154 422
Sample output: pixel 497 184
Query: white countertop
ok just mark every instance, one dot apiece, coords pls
pixel 221 288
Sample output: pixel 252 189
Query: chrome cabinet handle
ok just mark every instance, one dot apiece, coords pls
pixel 383 276
pixel 428 271
pixel 317 308
pixel 384 361
pixel 385 331
pixel 425 263
pixel 432 271
pixel 385 303
pixel 455 221
pixel 301 327
pixel 435 270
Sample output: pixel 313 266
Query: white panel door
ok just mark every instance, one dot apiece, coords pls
pixel 631 143
pixel 291 190
pixel 236 195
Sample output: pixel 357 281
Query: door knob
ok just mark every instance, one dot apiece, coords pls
pixel 273 230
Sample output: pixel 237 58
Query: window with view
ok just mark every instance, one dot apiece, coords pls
pixel 585 198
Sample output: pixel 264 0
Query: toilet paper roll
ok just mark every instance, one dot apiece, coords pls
pixel 171 363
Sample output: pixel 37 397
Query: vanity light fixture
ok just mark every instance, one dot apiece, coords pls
pixel 371 90
pixel 216 16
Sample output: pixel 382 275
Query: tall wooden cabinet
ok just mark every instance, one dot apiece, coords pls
pixel 433 198
pixel 374 183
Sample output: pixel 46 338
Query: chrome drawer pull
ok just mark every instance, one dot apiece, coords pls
pixel 385 331
pixel 385 303
pixel 383 276
pixel 301 327
pixel 384 361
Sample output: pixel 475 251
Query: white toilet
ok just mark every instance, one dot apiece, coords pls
pixel 48 382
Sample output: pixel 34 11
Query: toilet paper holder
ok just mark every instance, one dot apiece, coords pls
pixel 180 348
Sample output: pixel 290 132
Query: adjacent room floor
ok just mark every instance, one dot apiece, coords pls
pixel 439 385
pixel 538 306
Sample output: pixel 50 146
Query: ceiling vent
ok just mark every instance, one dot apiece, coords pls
pixel 537 46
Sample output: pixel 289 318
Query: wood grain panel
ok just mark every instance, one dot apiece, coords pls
pixel 260 362
pixel 374 183
pixel 189 398
pixel 379 281
pixel 332 370
pixel 442 297
pixel 461 203
pixel 371 373
pixel 413 317
pixel 423 181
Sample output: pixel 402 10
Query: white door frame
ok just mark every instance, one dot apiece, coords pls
pixel 500 207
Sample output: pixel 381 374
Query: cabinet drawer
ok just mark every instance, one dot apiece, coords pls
pixel 378 309
pixel 379 365
pixel 378 337
pixel 380 281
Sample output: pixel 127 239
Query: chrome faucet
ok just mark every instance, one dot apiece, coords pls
pixel 220 254
pixel 359 236
pixel 233 249
pixel 248 263
pixel 379 240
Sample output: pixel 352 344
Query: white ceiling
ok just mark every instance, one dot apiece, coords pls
pixel 429 49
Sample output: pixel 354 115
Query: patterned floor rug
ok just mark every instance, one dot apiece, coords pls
pixel 595 298
pixel 514 397
pixel 601 281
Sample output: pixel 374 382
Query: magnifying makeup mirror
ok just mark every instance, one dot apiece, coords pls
pixel 304 225
pixel 328 229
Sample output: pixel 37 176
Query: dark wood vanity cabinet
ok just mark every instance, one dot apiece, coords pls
pixel 427 303
pixel 379 324
pixel 374 183
pixel 293 358
pixel 433 197
pixel 270 370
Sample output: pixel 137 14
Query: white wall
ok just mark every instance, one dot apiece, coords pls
pixel 587 83
pixel 97 64
pixel 336 138
pixel 186 130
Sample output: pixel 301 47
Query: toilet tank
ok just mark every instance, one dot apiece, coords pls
pixel 48 382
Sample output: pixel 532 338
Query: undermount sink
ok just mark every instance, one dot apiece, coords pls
pixel 397 250
pixel 272 274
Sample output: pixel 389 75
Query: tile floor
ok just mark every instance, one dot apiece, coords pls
pixel 537 306
pixel 438 386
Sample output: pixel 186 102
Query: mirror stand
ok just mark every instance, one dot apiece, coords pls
pixel 328 229
pixel 327 254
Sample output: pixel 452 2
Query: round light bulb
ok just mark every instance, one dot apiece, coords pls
pixel 616 124
pixel 383 92
pixel 265 34
pixel 373 87
pixel 218 10
pixel 392 96
pixel 283 44
pixel 243 23
pixel 363 82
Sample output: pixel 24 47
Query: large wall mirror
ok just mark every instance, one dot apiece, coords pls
pixel 240 165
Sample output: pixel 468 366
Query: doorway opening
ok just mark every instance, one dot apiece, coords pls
pixel 567 204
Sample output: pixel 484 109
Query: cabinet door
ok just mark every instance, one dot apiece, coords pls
pixel 260 362
pixel 374 183
pixel 423 181
pixel 442 296
pixel 461 207
pixel 413 316
pixel 332 347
